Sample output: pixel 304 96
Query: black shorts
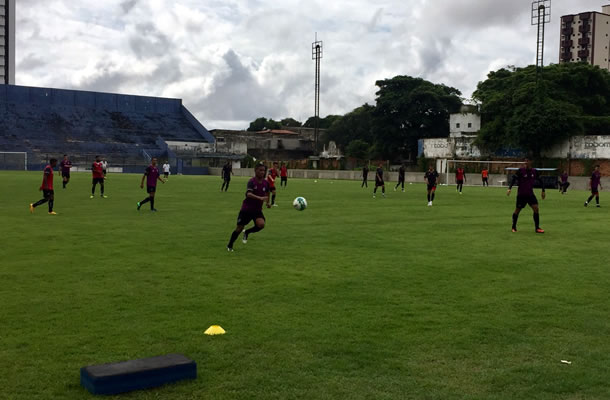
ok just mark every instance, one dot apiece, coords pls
pixel 524 200
pixel 272 188
pixel 151 189
pixel 284 179
pixel 245 217
pixel 104 172
pixel 227 180
pixel 401 179
pixel 47 193
pixel 594 190
pixel 379 183
pixel 484 179
pixel 432 187
pixel 166 174
pixel 460 181
pixel 98 180
pixel 65 175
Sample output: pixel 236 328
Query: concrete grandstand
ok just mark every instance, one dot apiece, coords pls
pixel 127 130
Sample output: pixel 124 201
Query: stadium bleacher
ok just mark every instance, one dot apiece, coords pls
pixel 125 129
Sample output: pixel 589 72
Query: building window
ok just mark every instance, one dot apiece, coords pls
pixel 470 124
pixel 457 125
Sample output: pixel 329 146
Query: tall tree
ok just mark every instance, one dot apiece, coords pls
pixel 354 125
pixel 409 109
pixel 263 123
pixel 290 122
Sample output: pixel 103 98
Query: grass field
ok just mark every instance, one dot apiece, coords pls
pixel 353 298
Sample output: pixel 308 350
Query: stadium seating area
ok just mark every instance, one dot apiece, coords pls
pixel 127 129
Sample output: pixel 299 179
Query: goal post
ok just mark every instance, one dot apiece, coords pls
pixel 14 160
pixel 473 170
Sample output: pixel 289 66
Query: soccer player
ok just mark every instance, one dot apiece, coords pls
pixel 257 193
pixel 431 177
pixel 564 184
pixel 47 188
pixel 151 175
pixel 379 180
pixel 595 184
pixel 460 178
pixel 526 177
pixel 166 168
pixel 65 166
pixel 104 166
pixel 273 174
pixel 485 177
pixel 283 175
pixel 401 178
pixel 365 176
pixel 97 171
pixel 227 170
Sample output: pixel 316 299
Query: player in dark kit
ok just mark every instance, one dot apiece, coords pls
pixel 379 181
pixel 431 177
pixel 257 193
pixel 460 178
pixel 65 166
pixel 526 177
pixel 273 174
pixel 595 184
pixel 564 184
pixel 47 188
pixel 401 178
pixel 227 170
pixel 151 175
pixel 365 176
pixel 97 172
pixel 283 175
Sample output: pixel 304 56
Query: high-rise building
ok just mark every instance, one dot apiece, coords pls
pixel 7 42
pixel 585 37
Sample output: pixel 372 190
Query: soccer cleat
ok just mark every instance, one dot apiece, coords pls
pixel 383 194
pixel 52 213
pixel 460 192
pixel 139 205
pixel 274 205
pixel 598 206
pixel 403 190
pixel 374 196
pixel 514 230
pixel 429 204
pixel 394 189
pixel 104 197
pixel 32 208
pixel 91 196
pixel 230 249
pixel 586 203
pixel 153 210
pixel 538 230
pixel 244 239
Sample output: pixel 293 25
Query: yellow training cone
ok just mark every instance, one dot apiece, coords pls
pixel 215 330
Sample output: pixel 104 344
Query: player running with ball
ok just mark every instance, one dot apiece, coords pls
pixel 526 177
pixel 257 193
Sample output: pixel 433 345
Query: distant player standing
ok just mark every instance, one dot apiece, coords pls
pixel 485 177
pixel 365 177
pixel 104 167
pixel 257 193
pixel 151 175
pixel 65 166
pixel 47 188
pixel 273 174
pixel 97 172
pixel 401 178
pixel 431 177
pixel 227 170
pixel 283 175
pixel 379 181
pixel 526 177
pixel 595 184
pixel 166 168
pixel 564 184
pixel 460 178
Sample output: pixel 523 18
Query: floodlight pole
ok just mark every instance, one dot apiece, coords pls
pixel 316 54
pixel 541 15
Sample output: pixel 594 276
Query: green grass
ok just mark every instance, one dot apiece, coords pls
pixel 353 298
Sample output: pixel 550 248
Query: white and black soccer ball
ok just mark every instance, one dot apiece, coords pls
pixel 299 203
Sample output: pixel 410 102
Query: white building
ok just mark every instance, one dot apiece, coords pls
pixel 585 37
pixel 465 123
pixel 7 42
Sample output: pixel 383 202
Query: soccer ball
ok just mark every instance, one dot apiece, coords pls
pixel 299 203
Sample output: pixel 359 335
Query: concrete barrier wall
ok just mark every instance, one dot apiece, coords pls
pixel 576 182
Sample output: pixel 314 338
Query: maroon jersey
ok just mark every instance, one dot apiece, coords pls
pixel 97 170
pixel 65 165
pixel 152 174
pixel 596 179
pixel 564 178
pixel 47 178
pixel 526 179
pixel 459 174
pixel 259 189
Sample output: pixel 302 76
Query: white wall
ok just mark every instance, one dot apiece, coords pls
pixel 463 119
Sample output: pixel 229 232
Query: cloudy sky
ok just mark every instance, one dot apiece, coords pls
pixel 232 61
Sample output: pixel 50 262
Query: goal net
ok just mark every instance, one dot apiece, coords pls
pixel 13 160
pixel 499 172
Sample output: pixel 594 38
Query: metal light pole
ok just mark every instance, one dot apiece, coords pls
pixel 541 15
pixel 316 54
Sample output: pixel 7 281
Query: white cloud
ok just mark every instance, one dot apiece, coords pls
pixel 232 61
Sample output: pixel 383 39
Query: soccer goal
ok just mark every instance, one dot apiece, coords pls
pixel 14 160
pixel 474 170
